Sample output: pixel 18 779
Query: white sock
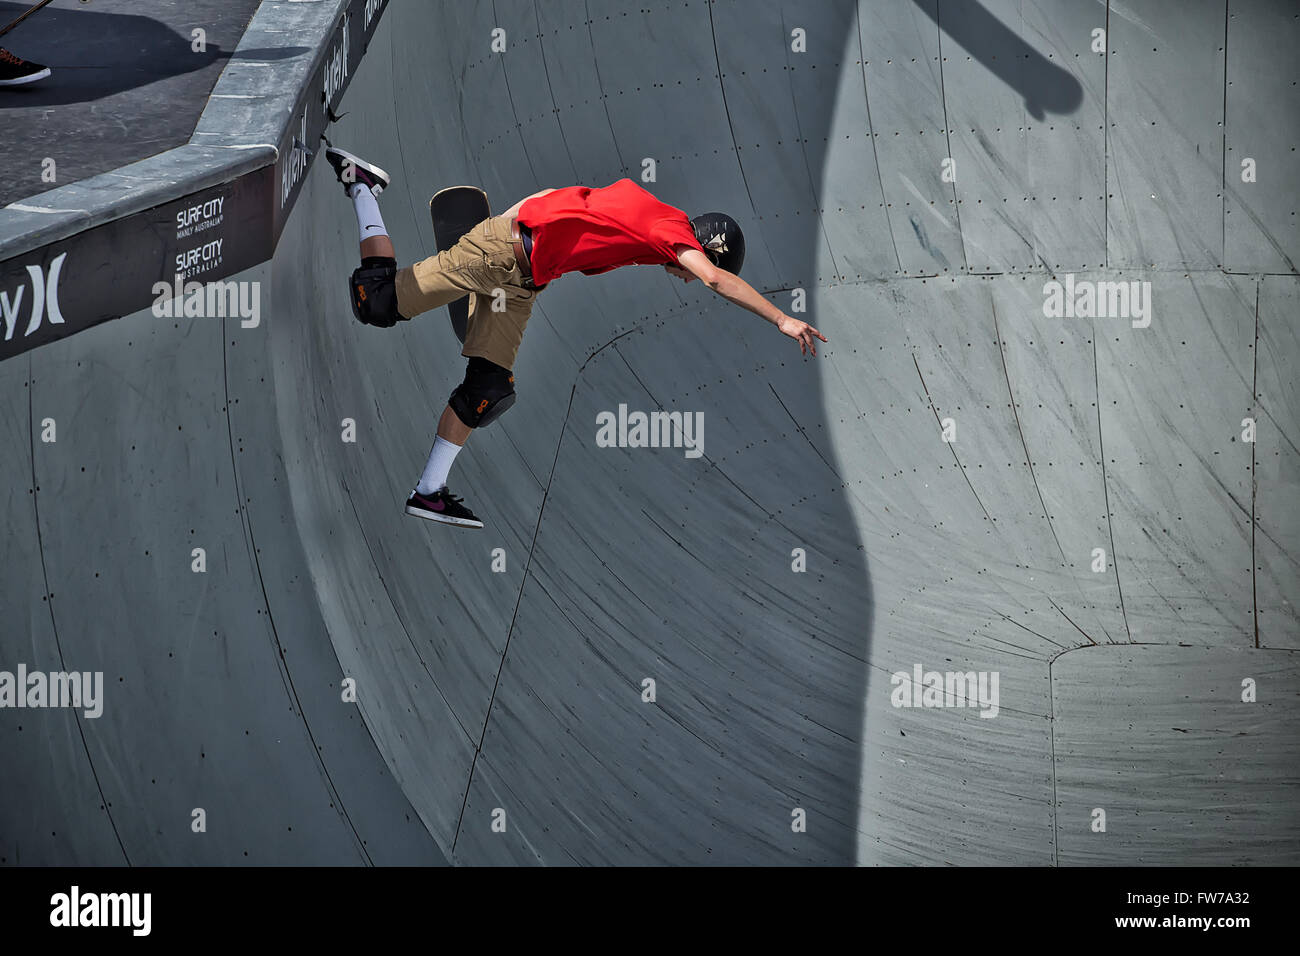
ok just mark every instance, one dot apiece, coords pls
pixel 438 467
pixel 369 221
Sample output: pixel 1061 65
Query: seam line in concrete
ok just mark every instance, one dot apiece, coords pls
pixel 49 602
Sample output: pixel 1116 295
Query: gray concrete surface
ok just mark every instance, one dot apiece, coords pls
pixel 519 693
pixel 129 80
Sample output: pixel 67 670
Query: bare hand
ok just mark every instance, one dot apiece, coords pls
pixel 802 332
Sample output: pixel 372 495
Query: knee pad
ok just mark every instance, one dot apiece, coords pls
pixel 486 393
pixel 373 292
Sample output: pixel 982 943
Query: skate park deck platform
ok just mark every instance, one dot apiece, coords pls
pixel 649 657
pixel 129 80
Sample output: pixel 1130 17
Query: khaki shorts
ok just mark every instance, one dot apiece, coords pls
pixel 482 264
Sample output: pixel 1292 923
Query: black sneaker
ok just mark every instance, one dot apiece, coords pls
pixel 15 71
pixel 353 169
pixel 442 506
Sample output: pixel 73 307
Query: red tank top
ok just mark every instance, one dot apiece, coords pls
pixel 580 229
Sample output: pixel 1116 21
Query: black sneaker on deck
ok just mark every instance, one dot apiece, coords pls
pixel 15 71
pixel 352 169
pixel 442 506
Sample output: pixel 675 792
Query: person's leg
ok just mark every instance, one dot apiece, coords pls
pixel 382 294
pixel 481 263
pixel 487 391
pixel 375 242
pixel 452 428
pixel 378 246
pixel 452 435
pixel 417 288
pixel 372 286
pixel 436 470
pixel 364 183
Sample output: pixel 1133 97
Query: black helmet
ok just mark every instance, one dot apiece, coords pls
pixel 722 240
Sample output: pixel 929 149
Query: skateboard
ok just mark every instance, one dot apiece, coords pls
pixel 455 211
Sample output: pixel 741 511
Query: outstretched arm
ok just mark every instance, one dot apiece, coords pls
pixel 735 289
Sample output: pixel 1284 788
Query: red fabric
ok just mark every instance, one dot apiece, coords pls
pixel 580 229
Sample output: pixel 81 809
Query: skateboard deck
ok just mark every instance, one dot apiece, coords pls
pixel 455 211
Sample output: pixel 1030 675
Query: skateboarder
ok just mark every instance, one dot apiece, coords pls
pixel 512 257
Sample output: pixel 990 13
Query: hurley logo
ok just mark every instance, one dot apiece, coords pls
pixel 45 299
